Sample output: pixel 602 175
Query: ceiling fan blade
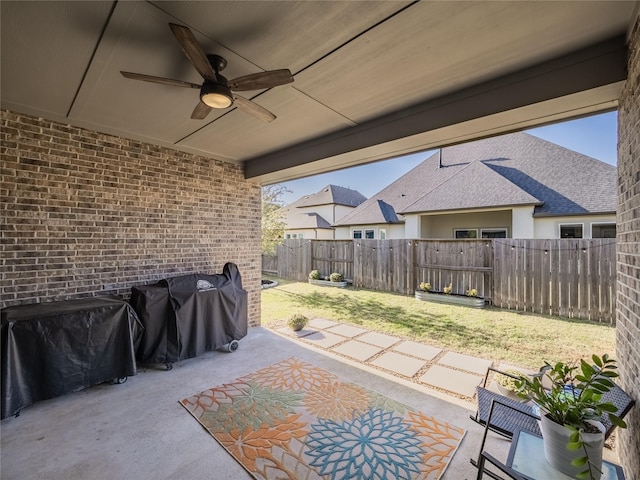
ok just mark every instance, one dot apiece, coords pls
pixel 200 112
pixel 258 81
pixel 161 80
pixel 253 108
pixel 194 52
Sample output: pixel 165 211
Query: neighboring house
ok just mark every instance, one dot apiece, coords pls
pixel 313 216
pixel 512 186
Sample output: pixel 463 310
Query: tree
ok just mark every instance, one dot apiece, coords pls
pixel 273 221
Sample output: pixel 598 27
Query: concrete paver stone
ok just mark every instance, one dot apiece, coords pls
pixel 398 363
pixel 379 339
pixel 300 333
pixel 358 350
pixel 451 380
pixel 419 350
pixel 346 330
pixel 324 339
pixel 465 362
pixel 322 323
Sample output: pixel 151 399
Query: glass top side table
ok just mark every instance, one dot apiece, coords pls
pixel 526 456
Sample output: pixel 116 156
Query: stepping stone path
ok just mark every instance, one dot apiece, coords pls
pixel 423 364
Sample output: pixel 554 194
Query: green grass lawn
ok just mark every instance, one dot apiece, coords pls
pixel 522 339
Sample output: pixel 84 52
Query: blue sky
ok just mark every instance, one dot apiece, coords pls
pixel 595 136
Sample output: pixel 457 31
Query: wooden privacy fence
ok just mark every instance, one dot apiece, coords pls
pixel 573 278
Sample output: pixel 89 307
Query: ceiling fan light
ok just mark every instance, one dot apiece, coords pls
pixel 215 95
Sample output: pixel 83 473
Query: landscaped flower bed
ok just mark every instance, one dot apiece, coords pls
pixel 451 299
pixel 333 280
pixel 328 283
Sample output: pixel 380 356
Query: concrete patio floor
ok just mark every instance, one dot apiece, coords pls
pixel 138 430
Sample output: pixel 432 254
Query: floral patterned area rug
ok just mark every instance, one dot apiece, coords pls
pixel 293 420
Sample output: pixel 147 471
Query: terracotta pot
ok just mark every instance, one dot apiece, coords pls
pixel 556 438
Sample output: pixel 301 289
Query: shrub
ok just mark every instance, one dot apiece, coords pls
pixel 336 277
pixel 448 289
pixel 425 286
pixel 314 275
pixel 472 292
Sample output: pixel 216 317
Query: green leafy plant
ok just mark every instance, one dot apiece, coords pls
pixel 314 275
pixel 448 289
pixel 425 286
pixel 472 292
pixel 336 277
pixel 574 398
pixel 297 321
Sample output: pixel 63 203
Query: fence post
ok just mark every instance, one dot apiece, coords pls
pixel 413 274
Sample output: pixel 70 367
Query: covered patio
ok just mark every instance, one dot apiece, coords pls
pixel 107 183
pixel 139 430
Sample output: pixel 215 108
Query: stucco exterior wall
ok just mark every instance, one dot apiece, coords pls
pixel 393 231
pixel 522 222
pixel 443 226
pixel 627 253
pixel 331 213
pixel 549 227
pixel 311 233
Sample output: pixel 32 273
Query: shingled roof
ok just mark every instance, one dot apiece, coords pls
pixel 306 220
pixel 331 194
pixel 504 171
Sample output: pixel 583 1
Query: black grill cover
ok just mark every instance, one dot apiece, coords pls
pixel 182 321
pixel 53 348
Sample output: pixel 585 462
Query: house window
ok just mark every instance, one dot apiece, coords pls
pixel 357 234
pixel 603 230
pixel 383 233
pixel 369 234
pixel 465 233
pixel 288 235
pixel 571 230
pixel 494 233
pixel 301 235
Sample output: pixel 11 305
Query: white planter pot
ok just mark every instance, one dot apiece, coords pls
pixel 328 283
pixel 556 438
pixel 474 302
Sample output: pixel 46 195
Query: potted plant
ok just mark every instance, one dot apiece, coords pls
pixel 314 275
pixel 334 280
pixel 297 322
pixel 335 277
pixel 570 409
pixel 507 383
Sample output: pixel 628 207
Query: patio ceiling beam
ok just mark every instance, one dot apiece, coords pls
pixel 588 69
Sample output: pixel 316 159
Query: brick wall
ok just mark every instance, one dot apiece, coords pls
pixel 90 214
pixel 628 255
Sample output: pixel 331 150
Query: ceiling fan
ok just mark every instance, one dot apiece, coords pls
pixel 216 91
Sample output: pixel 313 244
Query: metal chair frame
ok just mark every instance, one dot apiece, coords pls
pixel 483 456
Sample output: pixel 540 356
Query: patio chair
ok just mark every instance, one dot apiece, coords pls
pixel 508 422
pixel 519 416
pixel 499 409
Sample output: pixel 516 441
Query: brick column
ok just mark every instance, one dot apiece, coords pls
pixel 628 255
